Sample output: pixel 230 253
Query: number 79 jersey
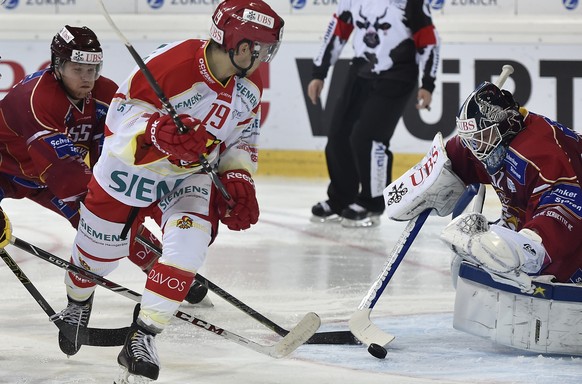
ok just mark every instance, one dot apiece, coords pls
pixel 138 175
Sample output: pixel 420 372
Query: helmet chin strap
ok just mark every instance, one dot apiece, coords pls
pixel 243 71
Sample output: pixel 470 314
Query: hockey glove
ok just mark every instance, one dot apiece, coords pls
pixel 241 188
pixel 5 229
pixel 163 133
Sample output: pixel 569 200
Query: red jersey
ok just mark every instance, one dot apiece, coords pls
pixel 44 137
pixel 539 186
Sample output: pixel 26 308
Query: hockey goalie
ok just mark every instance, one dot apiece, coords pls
pixel 518 279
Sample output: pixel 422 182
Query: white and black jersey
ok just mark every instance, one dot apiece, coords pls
pixel 392 39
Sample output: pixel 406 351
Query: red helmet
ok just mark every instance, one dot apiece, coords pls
pixel 237 21
pixel 76 44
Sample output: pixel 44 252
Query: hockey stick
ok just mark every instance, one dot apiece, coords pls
pixel 296 337
pixel 332 337
pixel 165 102
pixel 360 324
pixel 88 336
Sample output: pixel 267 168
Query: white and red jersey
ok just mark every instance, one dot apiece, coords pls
pixel 540 188
pixel 138 175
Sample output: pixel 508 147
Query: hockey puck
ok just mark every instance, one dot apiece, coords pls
pixel 377 351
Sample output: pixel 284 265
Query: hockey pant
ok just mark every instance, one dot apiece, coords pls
pixel 189 222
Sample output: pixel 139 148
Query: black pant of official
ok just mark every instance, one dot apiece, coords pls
pixel 358 157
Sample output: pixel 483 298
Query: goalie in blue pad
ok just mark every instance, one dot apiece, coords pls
pixel 547 320
pixel 534 164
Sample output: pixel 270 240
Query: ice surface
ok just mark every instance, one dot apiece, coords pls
pixel 283 267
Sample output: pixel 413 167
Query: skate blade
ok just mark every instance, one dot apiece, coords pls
pixel 332 219
pixel 125 377
pixel 368 222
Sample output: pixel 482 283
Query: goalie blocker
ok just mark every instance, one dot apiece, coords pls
pixel 544 321
pixel 430 184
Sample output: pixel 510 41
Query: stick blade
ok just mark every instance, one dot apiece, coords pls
pixel 366 331
pixel 298 336
pixel 334 337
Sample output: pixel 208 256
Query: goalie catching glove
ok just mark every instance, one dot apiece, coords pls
pixel 5 229
pixel 241 188
pixel 507 256
pixel 163 133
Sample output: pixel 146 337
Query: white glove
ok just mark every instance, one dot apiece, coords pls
pixel 505 254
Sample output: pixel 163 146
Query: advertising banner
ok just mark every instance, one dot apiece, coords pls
pixel 547 79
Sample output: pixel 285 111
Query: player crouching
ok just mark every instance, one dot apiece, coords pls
pixel 534 165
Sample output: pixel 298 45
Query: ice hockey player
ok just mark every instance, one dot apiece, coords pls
pixel 147 163
pixel 51 133
pixel 535 166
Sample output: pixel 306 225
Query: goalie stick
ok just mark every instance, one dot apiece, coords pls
pixel 88 336
pixel 296 337
pixel 360 324
pixel 166 103
pixel 332 337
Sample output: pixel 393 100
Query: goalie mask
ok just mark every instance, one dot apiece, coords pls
pixel 78 45
pixel 487 122
pixel 242 21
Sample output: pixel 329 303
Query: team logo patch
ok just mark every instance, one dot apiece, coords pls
pixel 84 264
pixel 184 223
pixel 396 194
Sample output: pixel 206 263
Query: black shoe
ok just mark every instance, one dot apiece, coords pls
pixel 356 216
pixel 323 213
pixel 139 356
pixel 76 314
pixel 196 293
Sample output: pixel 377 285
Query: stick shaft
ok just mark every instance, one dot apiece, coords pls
pixel 332 337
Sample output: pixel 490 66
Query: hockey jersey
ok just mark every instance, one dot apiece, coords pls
pixel 539 186
pixel 391 39
pixel 139 175
pixel 45 137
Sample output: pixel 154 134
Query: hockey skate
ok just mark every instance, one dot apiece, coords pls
pixel 356 216
pixel 138 359
pixel 76 314
pixel 323 213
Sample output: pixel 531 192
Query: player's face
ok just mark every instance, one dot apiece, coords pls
pixel 243 59
pixel 79 79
